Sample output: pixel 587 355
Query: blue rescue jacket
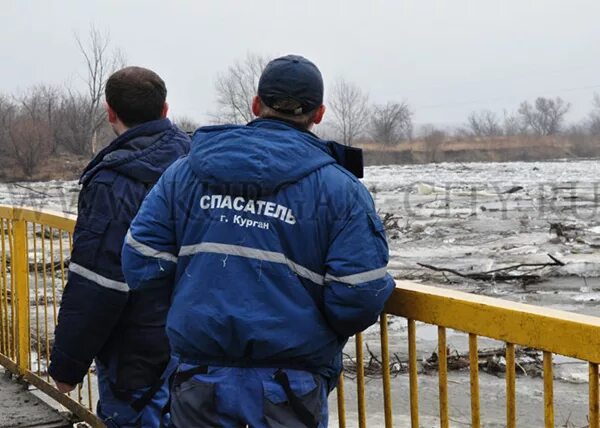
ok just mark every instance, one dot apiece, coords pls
pixel 99 316
pixel 273 252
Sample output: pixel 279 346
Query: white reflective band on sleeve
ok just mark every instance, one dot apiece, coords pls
pixel 98 279
pixel 306 273
pixel 359 278
pixel 148 251
pixel 252 253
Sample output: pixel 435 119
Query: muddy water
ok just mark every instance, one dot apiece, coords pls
pixel 472 218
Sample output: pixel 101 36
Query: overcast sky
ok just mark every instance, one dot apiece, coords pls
pixel 446 58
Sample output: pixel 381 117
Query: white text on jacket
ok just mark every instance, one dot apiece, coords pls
pixel 258 207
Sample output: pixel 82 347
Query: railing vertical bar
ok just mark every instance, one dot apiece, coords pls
pixel 7 305
pixel 413 379
pixel 70 240
pixel 30 326
pixel 511 414
pixel 45 293
pixel 2 333
pixel 38 336
pixel 29 291
pixel 474 380
pixel 341 402
pixel 548 390
pixel 70 236
pixel 360 382
pixel 443 377
pixel 385 371
pixel 20 275
pixel 53 277
pixel 2 319
pixel 4 291
pixel 13 295
pixel 62 260
pixel 594 398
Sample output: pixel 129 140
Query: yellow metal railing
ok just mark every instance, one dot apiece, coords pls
pixel 35 247
pixel 547 330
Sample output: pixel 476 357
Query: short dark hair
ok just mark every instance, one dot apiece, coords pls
pixel 304 120
pixel 136 94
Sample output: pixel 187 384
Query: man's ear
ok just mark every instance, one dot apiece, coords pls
pixel 111 114
pixel 165 110
pixel 319 114
pixel 256 106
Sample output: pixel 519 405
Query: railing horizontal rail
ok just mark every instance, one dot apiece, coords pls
pixel 74 407
pixel 552 330
pixel 54 219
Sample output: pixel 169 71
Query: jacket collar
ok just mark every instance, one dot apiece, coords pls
pixel 351 158
pixel 145 129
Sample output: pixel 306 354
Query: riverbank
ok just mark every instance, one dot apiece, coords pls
pixel 491 149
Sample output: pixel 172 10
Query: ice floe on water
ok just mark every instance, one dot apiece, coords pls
pixel 470 217
pixel 55 195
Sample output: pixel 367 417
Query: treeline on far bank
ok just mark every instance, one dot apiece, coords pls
pixel 49 132
pixel 536 131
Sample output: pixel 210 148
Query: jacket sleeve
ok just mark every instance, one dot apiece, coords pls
pixel 357 283
pixel 150 251
pixel 96 292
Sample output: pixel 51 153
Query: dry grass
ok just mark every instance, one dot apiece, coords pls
pixel 59 167
pixel 498 149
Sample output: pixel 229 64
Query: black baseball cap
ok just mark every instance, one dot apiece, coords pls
pixel 292 85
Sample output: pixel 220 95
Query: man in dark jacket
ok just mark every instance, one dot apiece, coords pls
pixel 273 254
pixel 99 316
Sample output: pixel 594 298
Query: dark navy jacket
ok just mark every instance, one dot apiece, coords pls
pixel 99 316
pixel 273 252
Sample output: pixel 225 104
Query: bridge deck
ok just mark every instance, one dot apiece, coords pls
pixel 21 408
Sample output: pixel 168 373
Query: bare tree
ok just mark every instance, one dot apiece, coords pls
pixel 101 61
pixel 28 121
pixel 349 105
pixel 29 138
pixel 42 103
pixel 6 107
pixel 186 124
pixel 391 123
pixel 460 132
pixel 513 125
pixel 235 89
pixel 71 128
pixel 484 123
pixel 433 138
pixel 7 111
pixel 546 116
pixel 594 119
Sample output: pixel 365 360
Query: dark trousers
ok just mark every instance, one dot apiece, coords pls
pixel 231 397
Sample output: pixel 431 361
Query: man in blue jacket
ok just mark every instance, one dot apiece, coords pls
pixel 273 254
pixel 100 317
